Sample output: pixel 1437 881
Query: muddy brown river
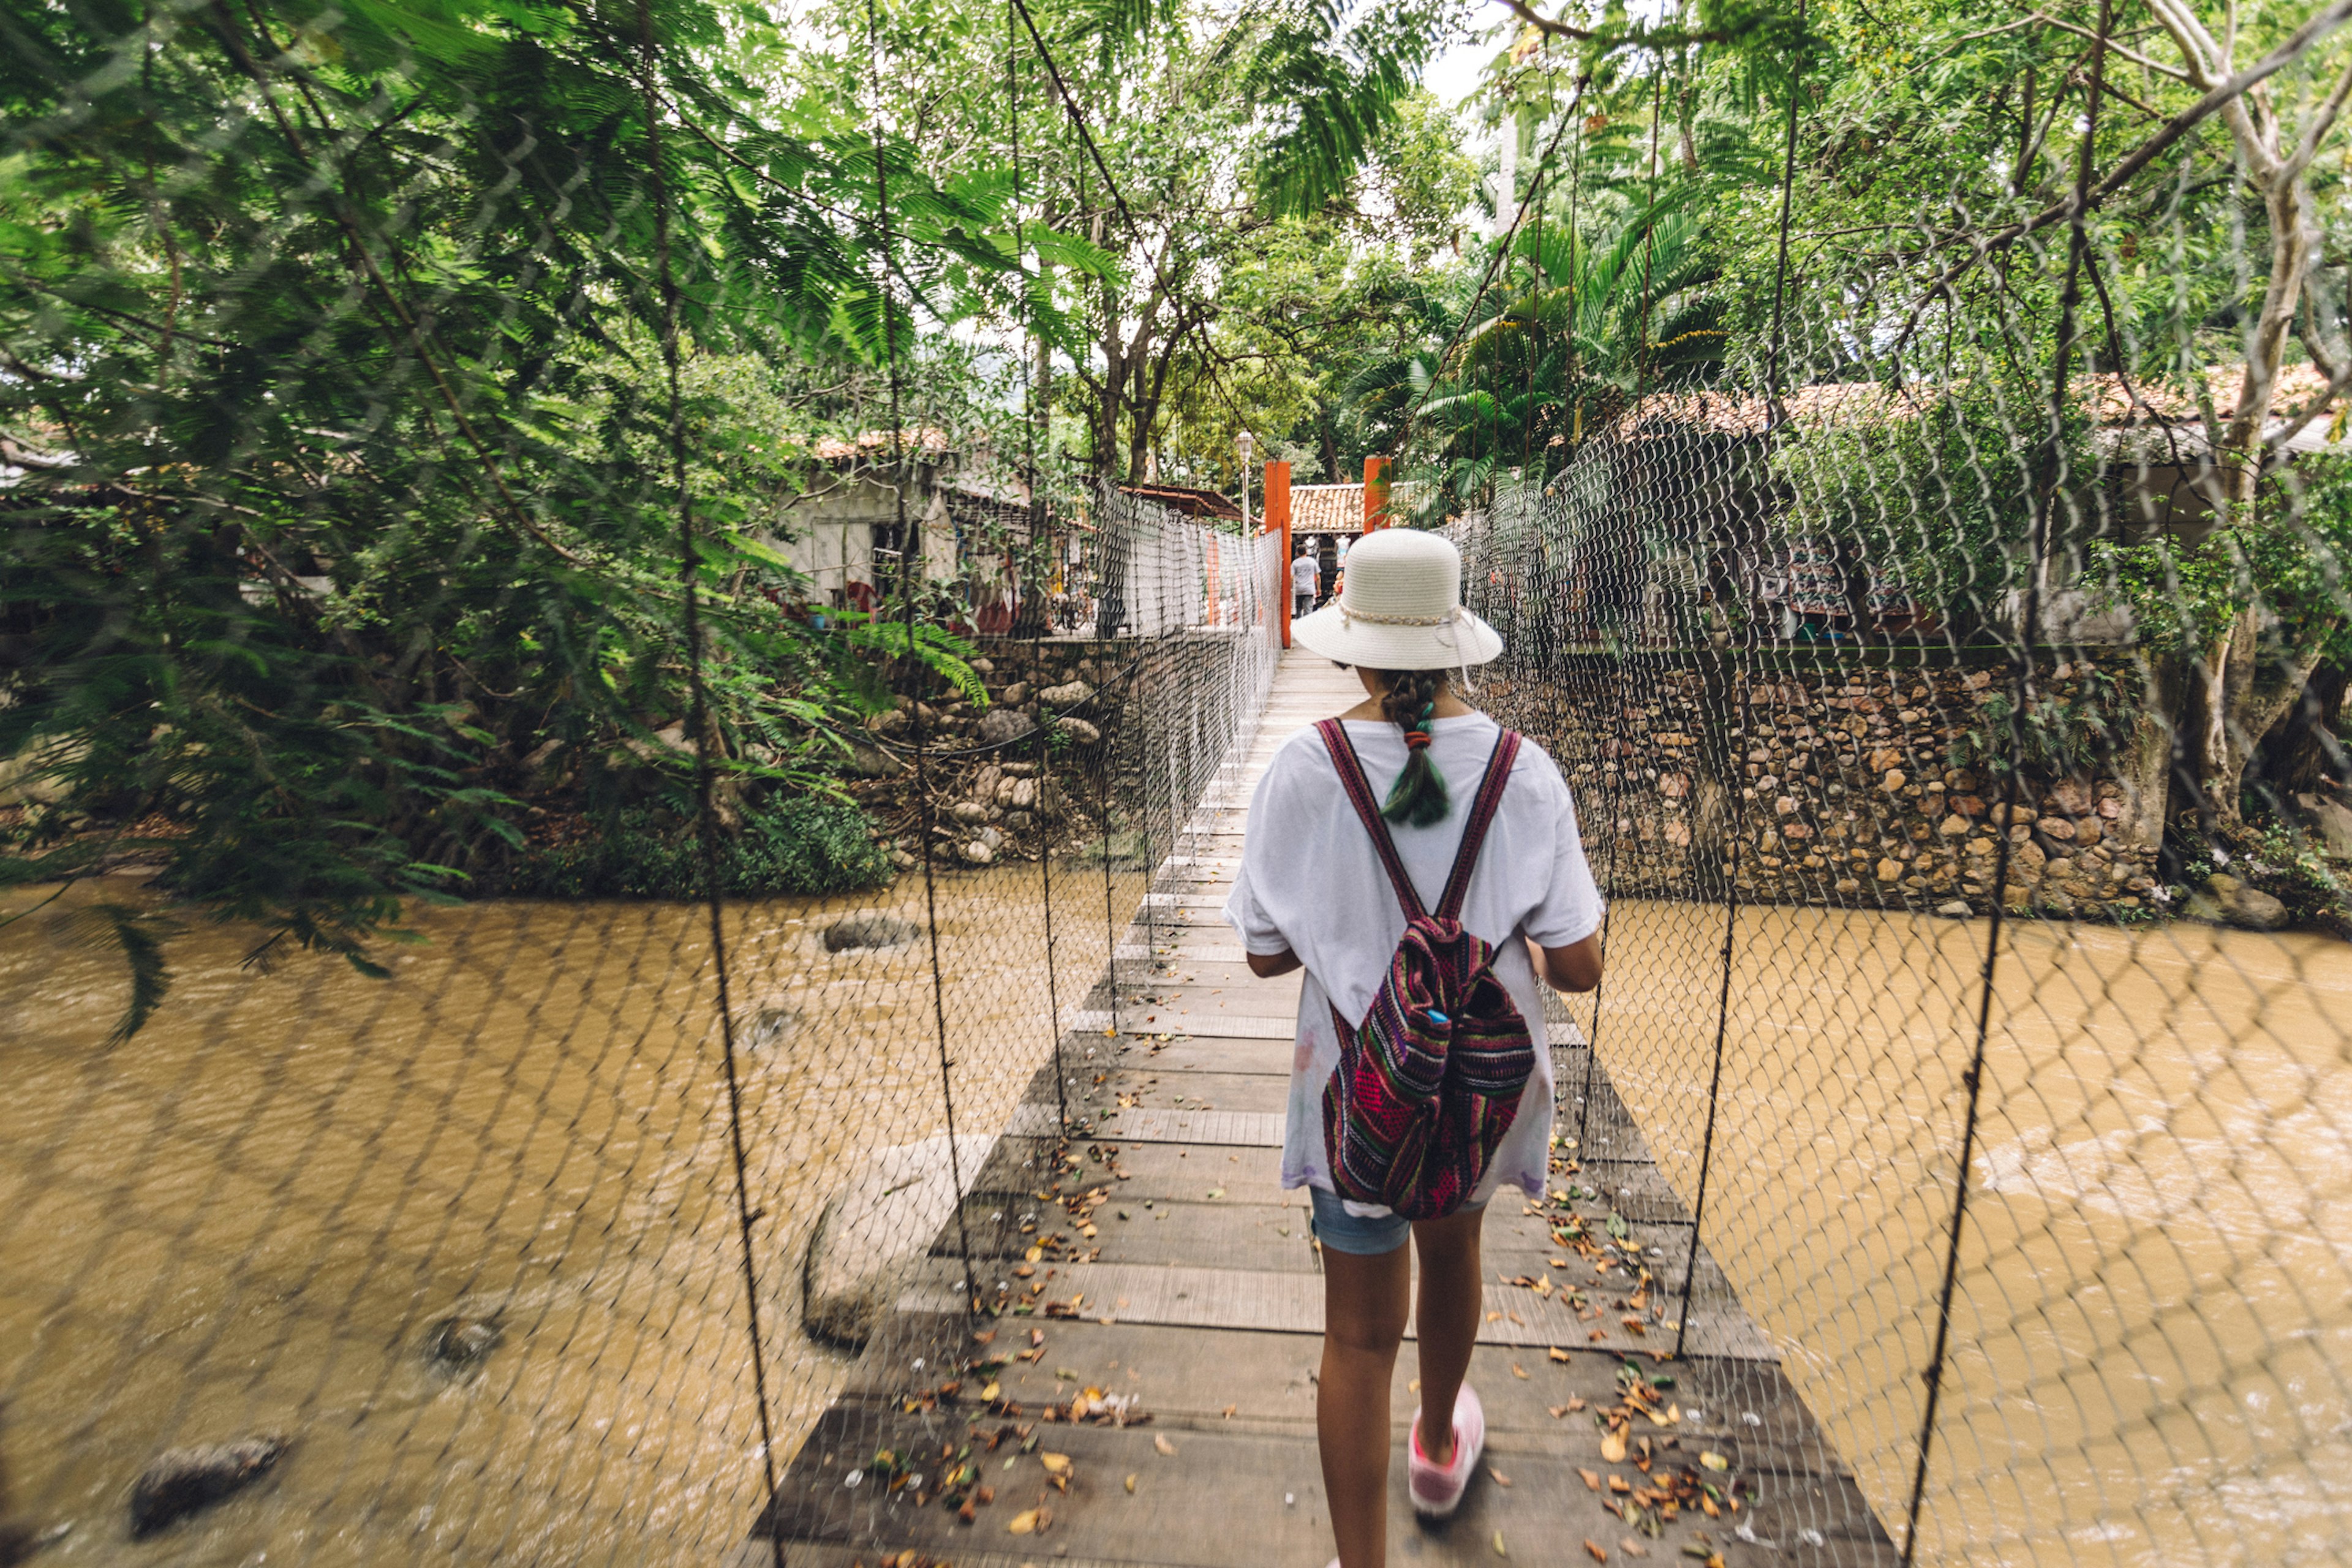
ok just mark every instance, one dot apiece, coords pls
pixel 251 1217
pixel 2152 1329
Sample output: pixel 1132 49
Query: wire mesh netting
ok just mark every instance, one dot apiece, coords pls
pixel 573 814
pixel 1951 811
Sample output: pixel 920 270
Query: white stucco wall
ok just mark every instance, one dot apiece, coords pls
pixel 830 535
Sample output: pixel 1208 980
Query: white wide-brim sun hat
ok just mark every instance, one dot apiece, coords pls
pixel 1400 607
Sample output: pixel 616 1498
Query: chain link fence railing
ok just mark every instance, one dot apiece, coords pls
pixel 1950 688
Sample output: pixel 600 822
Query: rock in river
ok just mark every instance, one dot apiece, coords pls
pixel 183 1482
pixel 876 1229
pixel 460 1343
pixel 869 931
pixel 2228 901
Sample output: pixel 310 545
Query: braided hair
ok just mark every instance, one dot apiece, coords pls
pixel 1409 698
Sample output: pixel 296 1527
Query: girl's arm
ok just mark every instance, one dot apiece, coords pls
pixel 1266 965
pixel 1576 967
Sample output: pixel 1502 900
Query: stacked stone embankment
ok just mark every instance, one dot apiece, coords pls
pixel 1840 785
pixel 1008 777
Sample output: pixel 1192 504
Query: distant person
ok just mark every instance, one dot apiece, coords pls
pixel 1305 579
pixel 1358 824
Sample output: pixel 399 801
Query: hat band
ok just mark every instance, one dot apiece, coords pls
pixel 1347 614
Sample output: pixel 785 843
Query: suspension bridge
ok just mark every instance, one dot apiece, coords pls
pixel 1145 1268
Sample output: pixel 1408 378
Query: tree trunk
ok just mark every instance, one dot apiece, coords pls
pixel 2144 765
pixel 2241 703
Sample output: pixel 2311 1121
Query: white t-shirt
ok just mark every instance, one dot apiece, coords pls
pixel 1304 573
pixel 1311 883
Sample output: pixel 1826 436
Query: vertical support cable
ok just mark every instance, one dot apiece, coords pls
pixel 1037 519
pixel 1731 765
pixel 1617 696
pixel 698 725
pixel 910 560
pixel 2041 499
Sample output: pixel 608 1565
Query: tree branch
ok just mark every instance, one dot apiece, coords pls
pixel 2222 95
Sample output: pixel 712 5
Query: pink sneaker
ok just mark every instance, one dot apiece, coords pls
pixel 1437 1489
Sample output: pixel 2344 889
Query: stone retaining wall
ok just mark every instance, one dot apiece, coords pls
pixel 1829 784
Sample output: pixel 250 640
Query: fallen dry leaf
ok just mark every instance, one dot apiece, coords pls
pixel 1130 1483
pixel 1613 1446
pixel 1620 1485
pixel 1591 1479
pixel 991 1391
pixel 1633 1548
pixel 1500 1550
pixel 1055 1463
pixel 1714 1461
pixel 1559 1354
pixel 1160 1441
pixel 1598 1554
pixel 1023 1523
pixel 1518 1370
pixel 1500 1478
pixel 1575 1402
pixel 1229 1411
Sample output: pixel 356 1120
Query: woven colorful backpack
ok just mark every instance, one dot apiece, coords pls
pixel 1430 1081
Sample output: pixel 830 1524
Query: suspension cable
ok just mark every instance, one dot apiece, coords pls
pixel 699 726
pixel 2041 499
pixel 910 561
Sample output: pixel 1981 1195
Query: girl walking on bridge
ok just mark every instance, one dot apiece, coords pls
pixel 1420 1082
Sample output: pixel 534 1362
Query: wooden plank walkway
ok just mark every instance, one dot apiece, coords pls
pixel 1190 1288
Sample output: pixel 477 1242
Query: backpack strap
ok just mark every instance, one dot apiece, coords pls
pixel 1359 796
pixel 1482 816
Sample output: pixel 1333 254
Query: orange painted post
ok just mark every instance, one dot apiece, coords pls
pixel 1277 521
pixel 1376 494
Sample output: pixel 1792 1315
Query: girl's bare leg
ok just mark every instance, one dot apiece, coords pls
pixel 1364 1304
pixel 1447 1322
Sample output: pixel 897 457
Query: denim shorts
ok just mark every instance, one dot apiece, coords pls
pixel 1358 1235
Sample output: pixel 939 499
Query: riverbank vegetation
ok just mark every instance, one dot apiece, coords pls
pixel 366 373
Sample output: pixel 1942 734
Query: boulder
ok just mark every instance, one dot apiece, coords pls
pixel 969 812
pixel 2232 902
pixel 874 762
pixel 875 1230
pixel 1079 729
pixel 2332 821
pixel 977 854
pixel 1000 726
pixel 459 1344
pixel 855 931
pixel 188 1480
pixel 1017 694
pixel 1066 696
pixel 892 723
pixel 764 1028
